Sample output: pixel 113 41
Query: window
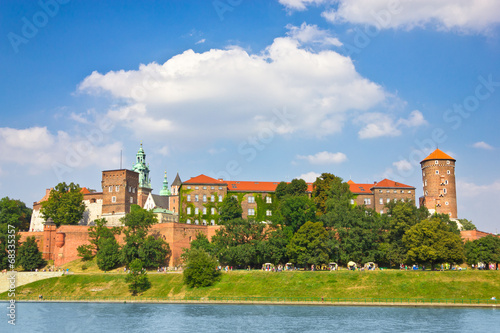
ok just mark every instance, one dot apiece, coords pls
pixel 196 222
pixel 204 210
pixel 204 222
pixel 447 162
pixel 251 199
pixel 251 212
pixel 425 182
pixel 367 201
pixel 212 198
pixel 130 189
pixel 269 199
pixel 189 187
pixel 388 191
pixel 352 201
pixel 403 200
pixel 437 172
pixel 409 192
pixel 220 187
pixel 436 162
pixel 212 211
pixel 117 188
pixel 204 187
pixel 212 187
pixel 113 199
pixel 111 189
pixel 131 200
pixel 133 189
pixel 188 221
pixel 196 187
pixel 395 200
pixel 395 191
pixel 424 174
pixel 382 211
pixel 446 203
pixel 402 191
pixel 446 182
pixel 188 197
pixel 381 201
pixel 448 172
pixel 269 213
pixel 196 198
pixel 204 198
pixel 196 211
pixel 388 200
pixel 188 210
pixel 444 191
pixel 426 193
pixel 212 222
pixel 380 191
pixel 220 198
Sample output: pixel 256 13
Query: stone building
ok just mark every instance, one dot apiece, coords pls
pixel 438 177
pixel 378 194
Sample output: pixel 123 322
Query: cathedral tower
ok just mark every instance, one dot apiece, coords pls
pixel 438 177
pixel 144 181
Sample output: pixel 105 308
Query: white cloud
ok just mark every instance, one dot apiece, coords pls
pixel 403 165
pixel 482 145
pixel 300 4
pixel 471 190
pixel 379 124
pixel 214 151
pixel 460 15
pixel 309 177
pixel 201 41
pixel 312 34
pixel 231 93
pixel 40 150
pixel 324 157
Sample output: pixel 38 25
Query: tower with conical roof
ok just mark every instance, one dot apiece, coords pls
pixel 144 180
pixel 176 185
pixel 165 191
pixel 438 177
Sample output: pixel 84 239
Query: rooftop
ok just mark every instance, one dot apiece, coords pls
pixel 438 155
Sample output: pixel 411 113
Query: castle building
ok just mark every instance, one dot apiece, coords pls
pixel 199 197
pixel 438 177
pixel 120 190
pixel 378 194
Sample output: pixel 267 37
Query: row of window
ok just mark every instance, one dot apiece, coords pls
pixel 113 199
pixel 213 211
pixel 117 188
pixel 437 172
pixel 368 201
pixel 204 222
pixel 443 192
pixel 251 199
pixel 395 191
pixel 251 212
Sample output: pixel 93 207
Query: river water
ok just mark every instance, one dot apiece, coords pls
pixel 113 317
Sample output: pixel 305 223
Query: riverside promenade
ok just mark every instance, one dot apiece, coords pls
pixel 23 278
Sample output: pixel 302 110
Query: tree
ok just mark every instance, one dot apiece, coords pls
pixel 137 224
pixel 486 250
pixel 28 255
pixel 309 245
pixel 14 216
pixel 100 231
pixel 297 210
pixel 108 256
pixel 154 252
pixel 466 224
pixel 229 209
pixel 201 242
pixel 200 269
pixel 137 278
pixel 431 241
pixel 281 190
pixel 273 248
pixel 85 251
pixel 65 204
pixel 297 187
pixel 321 187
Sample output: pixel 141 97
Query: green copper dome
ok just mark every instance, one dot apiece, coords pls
pixel 142 169
pixel 165 191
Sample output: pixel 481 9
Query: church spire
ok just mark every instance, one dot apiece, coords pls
pixel 165 191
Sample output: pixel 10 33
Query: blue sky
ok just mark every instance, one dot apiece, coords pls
pixel 251 90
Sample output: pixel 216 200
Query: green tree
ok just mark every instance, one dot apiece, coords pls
pixel 108 256
pixel 297 210
pixel 486 250
pixel 281 190
pixel 467 225
pixel 229 209
pixel 273 248
pixel 137 224
pixel 65 204
pixel 28 255
pixel 297 187
pixel 431 241
pixel 200 269
pixel 321 188
pixel 309 245
pixel 14 216
pixel 85 251
pixel 137 278
pixel 201 242
pixel 100 231
pixel 154 252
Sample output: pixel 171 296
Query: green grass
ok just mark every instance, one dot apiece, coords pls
pixel 344 284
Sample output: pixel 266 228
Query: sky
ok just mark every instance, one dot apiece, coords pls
pixel 251 90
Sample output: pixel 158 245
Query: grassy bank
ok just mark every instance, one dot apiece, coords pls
pixel 343 284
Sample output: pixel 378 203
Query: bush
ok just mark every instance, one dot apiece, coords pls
pixel 108 256
pixel 137 278
pixel 85 252
pixel 29 256
pixel 201 269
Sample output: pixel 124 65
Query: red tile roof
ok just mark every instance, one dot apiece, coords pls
pixel 438 155
pixel 391 183
pixel 239 186
pixel 359 188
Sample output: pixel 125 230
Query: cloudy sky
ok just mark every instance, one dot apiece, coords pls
pixel 251 90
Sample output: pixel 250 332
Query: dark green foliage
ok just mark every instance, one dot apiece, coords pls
pixel 154 252
pixel 273 248
pixel 137 278
pixel 236 242
pixel 297 187
pixel 432 241
pixel 85 252
pixel 200 269
pixel 321 188
pixel 65 205
pixel 28 255
pixel 202 243
pixel 137 224
pixel 297 210
pixel 467 225
pixel 229 209
pixel 485 250
pixel 99 231
pixel 309 245
pixel 281 190
pixel 108 256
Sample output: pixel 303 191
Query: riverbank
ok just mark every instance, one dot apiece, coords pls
pixel 417 286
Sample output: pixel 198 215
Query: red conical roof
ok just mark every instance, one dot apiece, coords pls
pixel 438 155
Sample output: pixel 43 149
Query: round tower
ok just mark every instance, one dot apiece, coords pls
pixel 438 177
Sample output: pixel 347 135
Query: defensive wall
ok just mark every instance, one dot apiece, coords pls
pixel 60 244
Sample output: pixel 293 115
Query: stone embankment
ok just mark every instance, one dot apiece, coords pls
pixel 23 278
